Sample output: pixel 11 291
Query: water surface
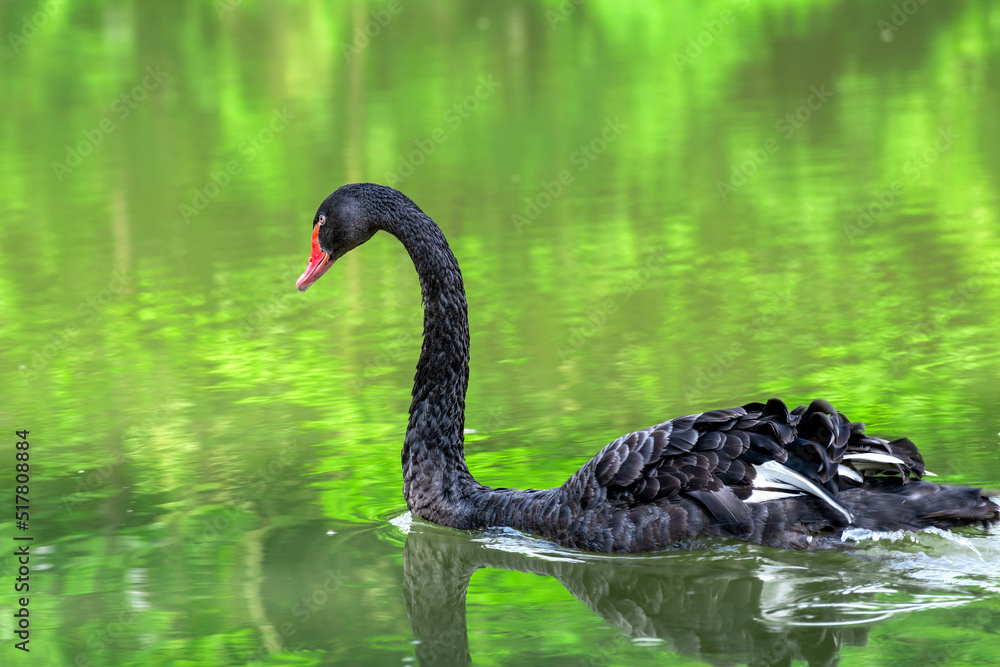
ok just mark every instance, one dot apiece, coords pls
pixel 804 205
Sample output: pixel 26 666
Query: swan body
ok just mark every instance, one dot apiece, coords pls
pixel 759 472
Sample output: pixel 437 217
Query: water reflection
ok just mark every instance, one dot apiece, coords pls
pixel 700 607
pixel 718 602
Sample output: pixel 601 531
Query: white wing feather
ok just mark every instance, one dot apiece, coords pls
pixel 772 474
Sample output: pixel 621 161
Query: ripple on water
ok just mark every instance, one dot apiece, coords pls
pixel 887 574
pixel 937 557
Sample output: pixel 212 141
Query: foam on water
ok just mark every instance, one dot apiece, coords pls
pixel 404 522
pixel 863 535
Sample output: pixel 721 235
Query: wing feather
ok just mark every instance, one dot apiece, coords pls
pixel 755 453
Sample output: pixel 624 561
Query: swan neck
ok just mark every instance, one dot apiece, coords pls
pixel 436 478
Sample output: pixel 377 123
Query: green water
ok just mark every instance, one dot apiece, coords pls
pixel 659 208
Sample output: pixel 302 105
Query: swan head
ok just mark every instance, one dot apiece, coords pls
pixel 343 222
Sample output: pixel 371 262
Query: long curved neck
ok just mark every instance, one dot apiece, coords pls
pixel 437 483
pixel 436 478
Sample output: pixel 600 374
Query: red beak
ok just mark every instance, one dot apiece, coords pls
pixel 319 262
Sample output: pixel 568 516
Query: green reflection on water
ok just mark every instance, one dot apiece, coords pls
pixel 153 340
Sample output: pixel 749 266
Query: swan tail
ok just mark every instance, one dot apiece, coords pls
pixel 883 504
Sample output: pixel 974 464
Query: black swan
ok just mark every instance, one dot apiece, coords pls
pixel 759 472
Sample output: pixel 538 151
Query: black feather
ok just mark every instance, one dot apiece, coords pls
pixel 728 510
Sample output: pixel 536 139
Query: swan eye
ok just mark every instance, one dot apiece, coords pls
pixel 322 218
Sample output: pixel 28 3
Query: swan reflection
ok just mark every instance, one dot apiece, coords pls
pixel 727 606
